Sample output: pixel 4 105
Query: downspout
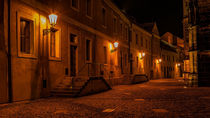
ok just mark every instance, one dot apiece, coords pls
pixel 9 56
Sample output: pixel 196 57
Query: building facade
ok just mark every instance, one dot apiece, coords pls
pixel 92 38
pixel 173 55
pixel 197 24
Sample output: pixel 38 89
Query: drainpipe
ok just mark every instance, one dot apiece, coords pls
pixel 9 56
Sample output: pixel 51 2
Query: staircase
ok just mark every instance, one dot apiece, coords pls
pixel 69 88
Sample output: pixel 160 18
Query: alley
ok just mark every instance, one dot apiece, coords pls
pixel 158 98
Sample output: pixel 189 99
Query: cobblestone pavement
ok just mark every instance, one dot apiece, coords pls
pixel 165 98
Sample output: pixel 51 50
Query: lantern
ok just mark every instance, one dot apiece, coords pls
pixel 53 19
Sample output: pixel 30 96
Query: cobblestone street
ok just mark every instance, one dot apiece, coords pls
pixel 165 98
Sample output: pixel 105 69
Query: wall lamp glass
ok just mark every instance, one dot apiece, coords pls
pixel 53 20
pixel 116 45
pixel 158 61
pixel 141 55
pixel 178 64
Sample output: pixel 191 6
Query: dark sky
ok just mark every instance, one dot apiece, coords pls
pixel 167 13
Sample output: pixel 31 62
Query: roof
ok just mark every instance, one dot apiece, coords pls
pixel 148 26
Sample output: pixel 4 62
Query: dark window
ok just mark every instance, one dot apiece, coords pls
pixel 121 28
pixel 105 55
pixel 88 50
pixel 75 3
pixel 73 38
pixel 103 17
pixel 137 38
pixel 137 61
pixel 26 36
pixel 142 41
pixel 115 25
pixel 89 7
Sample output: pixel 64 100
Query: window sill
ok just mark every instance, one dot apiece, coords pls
pixel 55 59
pixel 28 56
pixel 89 17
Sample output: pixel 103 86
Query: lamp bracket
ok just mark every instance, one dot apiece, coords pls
pixel 47 31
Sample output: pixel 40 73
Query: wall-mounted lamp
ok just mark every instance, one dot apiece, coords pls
pixel 158 61
pixel 53 20
pixel 178 64
pixel 116 44
pixel 141 55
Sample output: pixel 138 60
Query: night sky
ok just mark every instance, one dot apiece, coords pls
pixel 167 13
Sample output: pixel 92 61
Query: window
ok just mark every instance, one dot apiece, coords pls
pixel 115 25
pixel 103 17
pixel 89 7
pixel 75 4
pixel 137 61
pixel 26 36
pixel 121 28
pixel 54 45
pixel 105 55
pixel 126 33
pixel 137 38
pixel 125 60
pixel 73 38
pixel 142 41
pixel 88 50
pixel 146 43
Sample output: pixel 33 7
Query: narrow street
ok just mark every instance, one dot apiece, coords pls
pixel 165 98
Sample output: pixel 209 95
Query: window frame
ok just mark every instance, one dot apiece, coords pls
pixel 104 17
pixel 49 41
pixel 91 49
pixel 91 9
pixel 27 17
pixel 78 5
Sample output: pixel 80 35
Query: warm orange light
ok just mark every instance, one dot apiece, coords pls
pixel 116 44
pixel 143 54
pixel 110 46
pixel 160 60
pixel 140 55
pixel 43 20
pixel 178 64
pixel 53 19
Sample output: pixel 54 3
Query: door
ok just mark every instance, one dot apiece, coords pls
pixel 73 57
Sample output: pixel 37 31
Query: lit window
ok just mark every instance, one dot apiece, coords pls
pixel 89 7
pixel 26 36
pixel 54 45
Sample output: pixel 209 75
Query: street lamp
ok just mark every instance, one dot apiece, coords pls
pixel 141 55
pixel 158 61
pixel 116 45
pixel 53 20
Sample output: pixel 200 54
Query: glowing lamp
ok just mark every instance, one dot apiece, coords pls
pixel 178 64
pixel 116 44
pixel 53 19
pixel 143 54
pixel 160 60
